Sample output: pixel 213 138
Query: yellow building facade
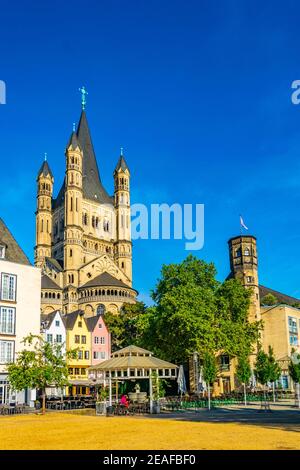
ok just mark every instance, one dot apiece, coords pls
pixel 83 235
pixel 78 337
pixel 282 332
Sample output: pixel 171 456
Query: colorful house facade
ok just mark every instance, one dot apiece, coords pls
pixel 78 338
pixel 20 286
pixel 100 340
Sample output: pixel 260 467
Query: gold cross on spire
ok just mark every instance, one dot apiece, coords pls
pixel 83 97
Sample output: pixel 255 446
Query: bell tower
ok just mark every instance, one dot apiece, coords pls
pixel 243 265
pixel 73 221
pixel 123 245
pixel 43 213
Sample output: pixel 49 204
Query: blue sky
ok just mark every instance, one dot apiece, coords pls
pixel 199 95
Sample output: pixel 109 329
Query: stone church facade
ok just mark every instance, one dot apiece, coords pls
pixel 83 236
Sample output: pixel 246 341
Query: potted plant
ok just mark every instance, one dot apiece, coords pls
pixel 101 403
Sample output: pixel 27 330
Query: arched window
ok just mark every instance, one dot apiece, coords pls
pixel 100 309
pixel 247 251
pixel 238 253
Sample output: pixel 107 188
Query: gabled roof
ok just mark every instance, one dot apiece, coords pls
pixel 92 185
pixel 105 279
pixel 282 298
pixel 70 318
pixel 49 317
pixel 91 322
pixel 45 170
pixel 48 283
pixel 13 251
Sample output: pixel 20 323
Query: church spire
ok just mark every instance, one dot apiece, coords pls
pixel 45 168
pixel 121 163
pixel 73 141
pixel 92 185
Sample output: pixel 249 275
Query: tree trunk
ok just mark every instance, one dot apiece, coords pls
pixel 43 401
pixel 265 397
pixel 298 393
pixel 245 394
pixel 274 398
pixel 208 389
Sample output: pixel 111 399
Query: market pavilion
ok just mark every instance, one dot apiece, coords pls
pixel 132 363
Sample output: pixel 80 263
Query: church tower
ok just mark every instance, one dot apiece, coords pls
pixel 123 245
pixel 87 257
pixel 43 213
pixel 243 265
pixel 73 220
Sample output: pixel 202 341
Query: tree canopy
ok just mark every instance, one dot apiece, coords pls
pixel 39 365
pixel 269 300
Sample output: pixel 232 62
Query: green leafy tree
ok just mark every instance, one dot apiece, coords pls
pixel 274 370
pixel 210 371
pixel 128 327
pixel 267 368
pixel 261 370
pixel 294 370
pixel 269 300
pixel 296 305
pixel 40 366
pixel 195 312
pixel 243 373
pixel 236 334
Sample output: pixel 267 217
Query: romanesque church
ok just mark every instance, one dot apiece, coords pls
pixel 83 239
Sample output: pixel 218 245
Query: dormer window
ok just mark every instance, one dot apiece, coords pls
pixel 2 251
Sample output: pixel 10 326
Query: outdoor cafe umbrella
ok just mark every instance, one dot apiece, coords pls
pixel 252 380
pixel 181 381
pixel 201 382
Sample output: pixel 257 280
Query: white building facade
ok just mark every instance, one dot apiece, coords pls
pixel 20 287
pixel 53 330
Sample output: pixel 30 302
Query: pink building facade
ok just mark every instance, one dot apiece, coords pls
pixel 100 338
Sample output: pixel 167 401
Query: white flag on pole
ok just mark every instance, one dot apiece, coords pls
pixel 243 223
